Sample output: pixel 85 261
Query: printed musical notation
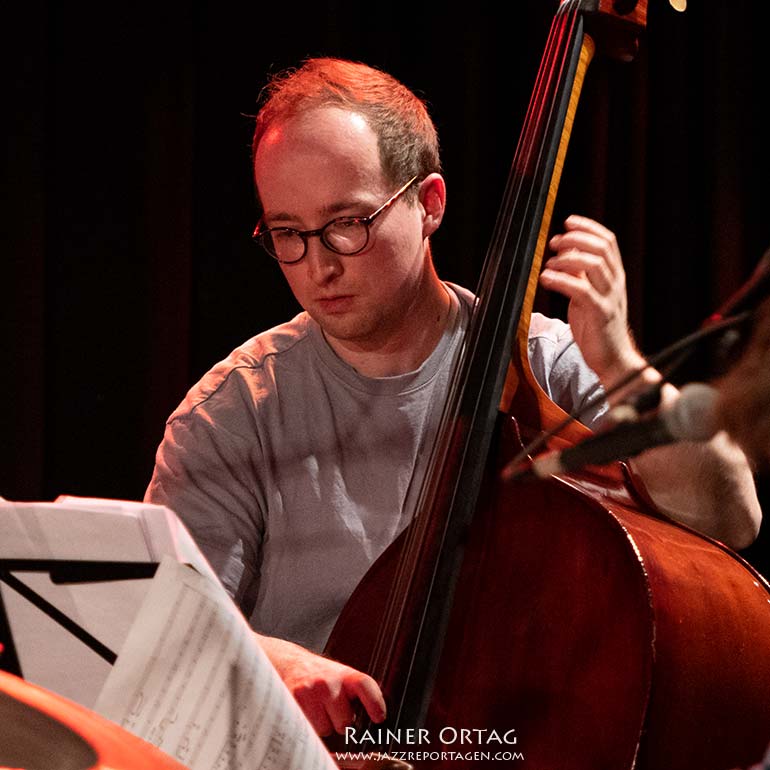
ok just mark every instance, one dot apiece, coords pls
pixel 192 679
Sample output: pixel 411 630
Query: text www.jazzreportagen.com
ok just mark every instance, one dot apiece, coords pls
pixel 421 756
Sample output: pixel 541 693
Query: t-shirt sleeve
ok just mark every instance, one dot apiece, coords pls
pixel 561 371
pixel 205 473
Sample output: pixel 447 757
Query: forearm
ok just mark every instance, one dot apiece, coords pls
pixel 707 485
pixel 284 655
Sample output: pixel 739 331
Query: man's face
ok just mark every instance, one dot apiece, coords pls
pixel 324 164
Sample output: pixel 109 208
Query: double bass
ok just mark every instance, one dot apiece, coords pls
pixel 560 624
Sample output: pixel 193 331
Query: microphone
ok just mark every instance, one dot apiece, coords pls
pixel 634 406
pixel 692 417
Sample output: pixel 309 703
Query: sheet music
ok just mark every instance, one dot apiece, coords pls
pixel 192 680
pixel 161 530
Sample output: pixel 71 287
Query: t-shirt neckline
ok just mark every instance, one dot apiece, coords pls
pixel 399 383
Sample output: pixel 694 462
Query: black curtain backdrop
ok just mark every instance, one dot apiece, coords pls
pixel 128 269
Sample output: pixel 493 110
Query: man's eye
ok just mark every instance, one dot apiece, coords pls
pixel 345 224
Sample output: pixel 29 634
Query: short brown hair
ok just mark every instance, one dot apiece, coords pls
pixel 406 136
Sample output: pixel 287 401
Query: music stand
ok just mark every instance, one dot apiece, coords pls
pixel 62 572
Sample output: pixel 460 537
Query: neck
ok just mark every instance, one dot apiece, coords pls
pixel 405 348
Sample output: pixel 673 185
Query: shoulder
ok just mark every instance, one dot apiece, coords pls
pixel 246 375
pixel 545 334
pixel 549 330
pixel 559 367
pixel 549 338
pixel 542 329
pixel 556 362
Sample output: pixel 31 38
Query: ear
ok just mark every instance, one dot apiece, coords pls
pixel 432 197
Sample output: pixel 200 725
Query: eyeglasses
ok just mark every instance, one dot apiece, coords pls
pixel 344 235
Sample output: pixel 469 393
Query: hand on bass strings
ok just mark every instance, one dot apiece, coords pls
pixel 325 689
pixel 706 485
pixel 587 269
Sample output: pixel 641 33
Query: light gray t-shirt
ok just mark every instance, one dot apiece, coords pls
pixel 294 472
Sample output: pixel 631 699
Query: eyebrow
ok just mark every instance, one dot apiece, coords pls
pixel 330 211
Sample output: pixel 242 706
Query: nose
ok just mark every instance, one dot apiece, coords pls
pixel 323 265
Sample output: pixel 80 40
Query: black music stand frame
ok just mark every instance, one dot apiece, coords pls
pixel 61 572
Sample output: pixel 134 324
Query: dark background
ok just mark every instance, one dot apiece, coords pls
pixel 127 207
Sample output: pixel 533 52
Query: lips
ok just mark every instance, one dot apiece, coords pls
pixel 339 303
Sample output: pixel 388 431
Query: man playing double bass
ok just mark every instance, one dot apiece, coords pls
pixel 297 460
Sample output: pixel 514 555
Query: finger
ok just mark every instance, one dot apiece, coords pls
pixel 577 222
pixel 576 288
pixel 580 240
pixel 579 263
pixel 590 236
pixel 589 242
pixel 340 712
pixel 368 692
